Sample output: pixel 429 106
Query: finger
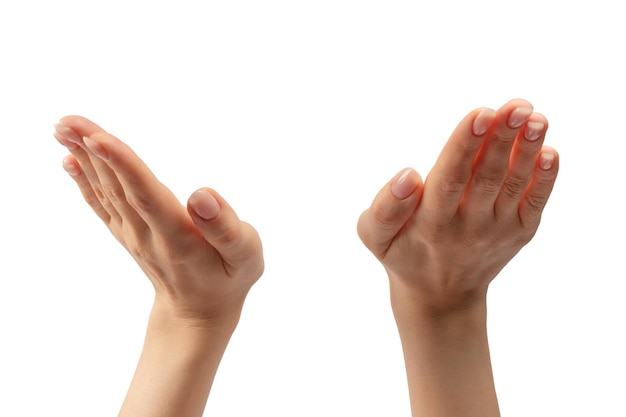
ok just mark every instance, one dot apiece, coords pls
pixel 63 140
pixel 108 188
pixel 522 164
pixel 492 161
pixel 71 165
pixel 237 242
pixel 446 184
pixel 148 197
pixel 539 189
pixel 391 209
pixel 65 135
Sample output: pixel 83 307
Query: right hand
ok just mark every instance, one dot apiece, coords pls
pixel 201 260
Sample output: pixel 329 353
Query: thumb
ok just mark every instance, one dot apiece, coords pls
pixel 236 241
pixel 391 209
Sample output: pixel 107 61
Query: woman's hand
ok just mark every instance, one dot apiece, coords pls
pixel 202 260
pixel 443 242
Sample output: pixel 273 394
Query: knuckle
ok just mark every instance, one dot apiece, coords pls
pixel 470 146
pixel 536 201
pixel 149 250
pixel 228 236
pixel 102 198
pixel 114 192
pixel 384 215
pixel 524 238
pixel 488 182
pixel 98 192
pixel 453 184
pixel 140 203
pixel 502 138
pixel 513 187
pixel 139 252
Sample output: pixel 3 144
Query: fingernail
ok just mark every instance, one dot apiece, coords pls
pixel 68 133
pixel 533 130
pixel 519 116
pixel 204 204
pixel 482 122
pixel 63 141
pixel 96 148
pixel 402 186
pixel 546 160
pixel 70 167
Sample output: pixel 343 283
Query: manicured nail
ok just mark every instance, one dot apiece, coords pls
pixel 63 141
pixel 519 116
pixel 96 148
pixel 68 133
pixel 402 186
pixel 70 167
pixel 483 122
pixel 204 204
pixel 546 160
pixel 533 130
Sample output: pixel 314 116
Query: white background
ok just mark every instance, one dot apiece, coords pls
pixel 298 112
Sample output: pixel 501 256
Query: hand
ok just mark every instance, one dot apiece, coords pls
pixel 442 242
pixel 202 260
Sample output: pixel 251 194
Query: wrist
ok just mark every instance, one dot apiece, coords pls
pixel 439 321
pixel 411 300
pixel 173 314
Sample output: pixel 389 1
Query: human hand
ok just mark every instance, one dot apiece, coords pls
pixel 201 260
pixel 442 242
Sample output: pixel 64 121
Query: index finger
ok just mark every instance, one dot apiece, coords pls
pixel 152 200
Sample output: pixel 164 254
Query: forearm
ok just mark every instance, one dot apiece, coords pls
pixel 447 361
pixel 177 367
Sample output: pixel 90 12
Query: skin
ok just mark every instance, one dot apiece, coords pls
pixel 201 259
pixel 442 241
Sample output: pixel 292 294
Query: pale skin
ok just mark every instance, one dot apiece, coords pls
pixel 201 259
pixel 441 243
pixel 444 240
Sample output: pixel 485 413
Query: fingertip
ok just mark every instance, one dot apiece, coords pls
pixel 391 209
pixel 534 130
pixel 71 119
pixel 63 140
pixel 405 183
pixel 538 117
pixel 204 204
pixel 483 121
pixel 236 241
pixel 67 136
pixel 74 120
pixel 535 127
pixel 96 147
pixel 548 159
pixel 79 124
pixel 71 166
